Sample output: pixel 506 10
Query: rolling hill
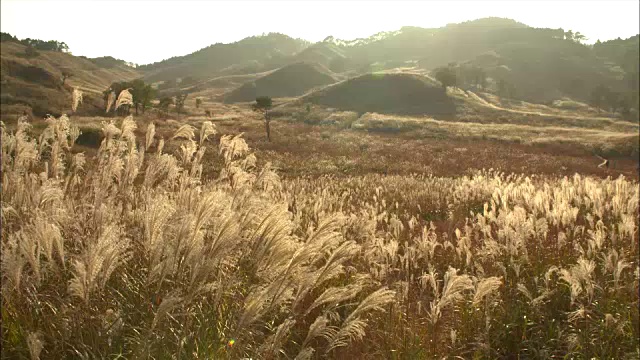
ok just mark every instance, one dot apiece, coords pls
pixel 538 65
pixel 387 94
pixel 291 80
pixel 535 65
pixel 264 52
pixel 325 53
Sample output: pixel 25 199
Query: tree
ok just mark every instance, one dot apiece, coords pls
pixel 66 73
pixel 612 100
pixel 30 51
pixel 148 94
pixel 7 37
pixel 63 47
pixel 198 102
pixel 164 104
pixel 578 37
pixel 179 101
pixel 473 75
pixel 142 93
pixel 263 104
pixel 502 87
pixel 137 92
pixel 599 96
pixel 506 89
pixel 446 76
pixel 624 104
pixel 568 35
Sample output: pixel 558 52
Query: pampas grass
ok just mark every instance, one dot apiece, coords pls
pixel 76 99
pixel 124 98
pixel 132 251
pixel 111 98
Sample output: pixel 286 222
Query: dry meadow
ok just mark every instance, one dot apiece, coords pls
pixel 373 237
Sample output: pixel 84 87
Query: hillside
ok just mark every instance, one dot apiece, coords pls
pixel 540 65
pixel 265 52
pixel 536 65
pixel 548 69
pixel 324 53
pixel 291 80
pixel 387 94
pixel 35 83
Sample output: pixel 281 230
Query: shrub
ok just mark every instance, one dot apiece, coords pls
pixel 90 137
pixel 31 52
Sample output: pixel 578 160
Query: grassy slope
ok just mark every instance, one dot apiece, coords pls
pixel 37 81
pixel 267 51
pixel 387 93
pixel 291 80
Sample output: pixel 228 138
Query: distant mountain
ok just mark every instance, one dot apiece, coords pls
pixel 266 52
pixel 517 61
pixel 291 80
pixel 538 65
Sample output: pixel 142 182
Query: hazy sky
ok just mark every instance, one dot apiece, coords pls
pixel 148 31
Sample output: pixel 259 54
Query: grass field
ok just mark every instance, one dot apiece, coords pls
pixel 369 236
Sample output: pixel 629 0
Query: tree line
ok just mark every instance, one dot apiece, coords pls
pixel 51 45
pixel 602 97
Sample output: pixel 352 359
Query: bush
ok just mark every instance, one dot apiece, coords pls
pixel 90 137
pixel 31 52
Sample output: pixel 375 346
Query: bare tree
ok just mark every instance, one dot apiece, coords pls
pixel 263 104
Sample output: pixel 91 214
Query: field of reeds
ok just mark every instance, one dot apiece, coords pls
pixel 200 250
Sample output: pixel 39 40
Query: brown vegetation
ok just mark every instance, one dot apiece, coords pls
pixel 291 80
pixel 172 258
pixel 387 93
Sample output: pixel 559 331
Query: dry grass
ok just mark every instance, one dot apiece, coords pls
pixel 88 76
pixel 602 141
pixel 194 237
pixel 161 253
pixel 165 262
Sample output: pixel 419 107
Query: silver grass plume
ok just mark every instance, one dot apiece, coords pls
pixel 76 99
pixel 110 100
pixel 207 129
pixel 35 345
pixel 485 287
pixel 151 131
pixel 353 326
pixel 125 98
pixel 185 131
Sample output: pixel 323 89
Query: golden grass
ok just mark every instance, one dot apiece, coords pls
pixel 87 76
pixel 597 140
pixel 132 251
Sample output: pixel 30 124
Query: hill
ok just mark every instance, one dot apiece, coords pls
pixel 540 65
pixel 109 62
pixel 324 53
pixel 535 64
pixel 34 83
pixel 291 80
pixel 387 94
pixel 268 52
